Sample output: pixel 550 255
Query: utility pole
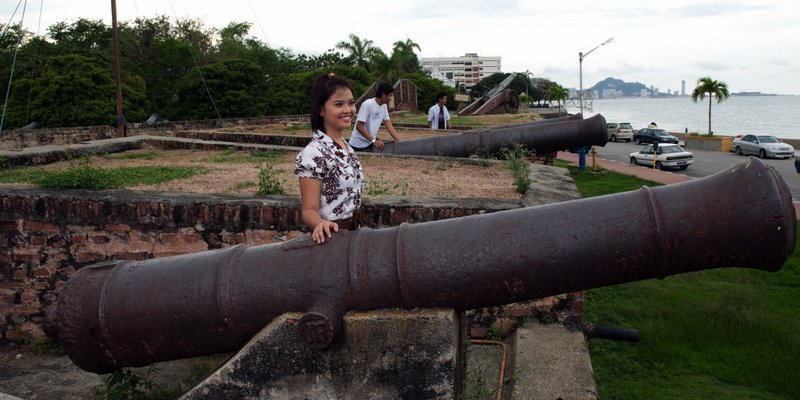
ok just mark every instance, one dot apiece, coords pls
pixel 115 45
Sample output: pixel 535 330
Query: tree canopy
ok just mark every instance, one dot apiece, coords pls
pixel 180 69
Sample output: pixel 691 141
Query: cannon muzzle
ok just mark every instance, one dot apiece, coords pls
pixel 134 313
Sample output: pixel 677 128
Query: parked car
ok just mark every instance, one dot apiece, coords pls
pixel 667 156
pixel 653 135
pixel 762 145
pixel 619 131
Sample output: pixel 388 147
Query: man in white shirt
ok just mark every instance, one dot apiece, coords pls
pixel 438 117
pixel 372 113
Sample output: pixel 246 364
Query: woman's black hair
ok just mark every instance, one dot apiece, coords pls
pixel 322 89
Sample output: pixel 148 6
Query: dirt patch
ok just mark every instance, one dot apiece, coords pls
pixel 238 172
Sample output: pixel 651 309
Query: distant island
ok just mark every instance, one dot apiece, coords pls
pixel 752 94
pixel 613 88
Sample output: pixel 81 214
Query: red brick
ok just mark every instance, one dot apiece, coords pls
pixel 32 257
pixel 36 226
pixel 9 226
pixel 79 239
pixel 99 238
pixel 27 309
pixel 259 236
pixel 41 273
pixel 88 256
pixel 8 295
pixel 118 228
pixel 126 255
pixel 28 296
pixel 20 274
pixel 478 332
pixel 170 238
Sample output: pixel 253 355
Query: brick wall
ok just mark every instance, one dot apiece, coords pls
pixel 45 236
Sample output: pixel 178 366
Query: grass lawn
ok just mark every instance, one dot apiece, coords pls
pixel 717 334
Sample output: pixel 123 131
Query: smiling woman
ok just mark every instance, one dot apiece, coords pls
pixel 331 177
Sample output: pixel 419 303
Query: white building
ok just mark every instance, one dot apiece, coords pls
pixel 468 69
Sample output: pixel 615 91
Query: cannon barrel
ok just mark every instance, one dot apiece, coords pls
pixel 543 136
pixel 134 313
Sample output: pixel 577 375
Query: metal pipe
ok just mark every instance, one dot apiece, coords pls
pixel 502 375
pixel 133 313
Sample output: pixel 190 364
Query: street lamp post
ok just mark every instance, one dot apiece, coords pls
pixel 581 56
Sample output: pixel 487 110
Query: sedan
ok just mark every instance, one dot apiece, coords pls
pixel 763 146
pixel 666 156
pixel 653 135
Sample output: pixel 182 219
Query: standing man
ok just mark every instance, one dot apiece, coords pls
pixel 372 113
pixel 438 117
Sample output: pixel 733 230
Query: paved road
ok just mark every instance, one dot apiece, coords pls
pixel 705 163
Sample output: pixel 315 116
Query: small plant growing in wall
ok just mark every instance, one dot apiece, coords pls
pixel 516 160
pixel 268 181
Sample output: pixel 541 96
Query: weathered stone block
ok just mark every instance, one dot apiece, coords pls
pixel 383 354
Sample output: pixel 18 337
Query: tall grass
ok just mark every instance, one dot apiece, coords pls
pixel 718 334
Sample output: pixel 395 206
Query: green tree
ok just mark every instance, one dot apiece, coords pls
pixel 404 59
pixel 557 93
pixel 236 88
pixel 361 51
pixel 713 88
pixel 427 88
pixel 73 90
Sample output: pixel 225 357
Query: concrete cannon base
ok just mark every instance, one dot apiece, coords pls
pixel 398 354
pixel 384 354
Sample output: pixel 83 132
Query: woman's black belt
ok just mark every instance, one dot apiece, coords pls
pixel 347 223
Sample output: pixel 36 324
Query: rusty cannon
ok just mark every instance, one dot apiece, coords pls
pixel 543 136
pixel 134 313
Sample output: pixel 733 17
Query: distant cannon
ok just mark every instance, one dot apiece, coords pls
pixel 134 313
pixel 544 136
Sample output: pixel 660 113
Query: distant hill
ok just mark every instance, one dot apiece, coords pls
pixel 626 88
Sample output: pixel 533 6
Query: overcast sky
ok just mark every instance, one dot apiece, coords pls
pixel 750 45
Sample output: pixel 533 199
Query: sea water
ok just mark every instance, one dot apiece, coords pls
pixel 770 115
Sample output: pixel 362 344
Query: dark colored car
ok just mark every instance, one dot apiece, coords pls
pixel 653 135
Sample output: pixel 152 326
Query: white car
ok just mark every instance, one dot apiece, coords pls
pixel 667 156
pixel 762 145
pixel 619 131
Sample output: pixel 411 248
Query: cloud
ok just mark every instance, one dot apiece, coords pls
pixel 700 10
pixel 779 63
pixel 712 66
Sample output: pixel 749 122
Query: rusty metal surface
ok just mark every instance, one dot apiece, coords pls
pixel 133 313
pixel 541 136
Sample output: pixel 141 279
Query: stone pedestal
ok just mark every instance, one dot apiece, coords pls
pixel 383 354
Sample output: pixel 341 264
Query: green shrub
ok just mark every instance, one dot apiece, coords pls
pixel 516 160
pixel 268 182
pixel 81 174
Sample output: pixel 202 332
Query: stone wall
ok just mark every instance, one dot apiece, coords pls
pixel 45 236
pixel 21 138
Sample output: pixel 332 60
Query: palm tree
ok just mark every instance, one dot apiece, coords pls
pixel 706 85
pixel 557 93
pixel 361 50
pixel 404 58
